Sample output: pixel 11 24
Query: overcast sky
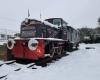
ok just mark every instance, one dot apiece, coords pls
pixel 77 13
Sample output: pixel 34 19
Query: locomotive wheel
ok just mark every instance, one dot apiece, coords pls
pixel 77 45
pixel 70 47
pixel 59 52
pixel 52 52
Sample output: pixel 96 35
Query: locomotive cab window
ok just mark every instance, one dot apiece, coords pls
pixel 57 22
pixel 64 24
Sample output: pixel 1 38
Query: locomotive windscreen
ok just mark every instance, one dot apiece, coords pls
pixel 57 22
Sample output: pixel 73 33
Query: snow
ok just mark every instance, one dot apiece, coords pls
pixel 3 42
pixel 83 64
pixel 49 24
pixel 51 39
pixel 7 31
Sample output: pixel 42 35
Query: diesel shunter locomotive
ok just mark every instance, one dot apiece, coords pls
pixel 39 39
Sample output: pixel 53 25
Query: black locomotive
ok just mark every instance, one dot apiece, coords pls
pixel 39 39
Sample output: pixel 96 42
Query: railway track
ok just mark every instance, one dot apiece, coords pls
pixel 15 66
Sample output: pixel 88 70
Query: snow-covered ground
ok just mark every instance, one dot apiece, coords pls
pixel 83 64
pixel 2 42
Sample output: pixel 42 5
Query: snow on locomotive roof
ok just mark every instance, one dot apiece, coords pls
pixel 45 22
pixel 49 24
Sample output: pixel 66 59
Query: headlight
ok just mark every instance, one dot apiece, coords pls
pixel 10 44
pixel 32 44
